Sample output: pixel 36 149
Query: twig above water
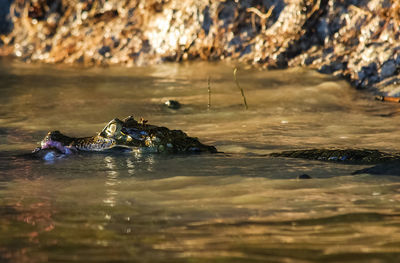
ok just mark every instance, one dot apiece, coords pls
pixel 209 92
pixel 240 88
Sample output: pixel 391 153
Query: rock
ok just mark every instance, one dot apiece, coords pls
pixel 172 104
pixel 388 69
pixel 333 67
pixel 367 71
pixel 104 50
pixel 304 176
pixel 340 37
pixel 323 30
pixel 398 59
pixel 5 22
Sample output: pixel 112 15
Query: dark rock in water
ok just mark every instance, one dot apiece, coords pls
pixel 367 71
pixel 304 176
pixel 173 104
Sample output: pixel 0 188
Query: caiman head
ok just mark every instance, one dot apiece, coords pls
pixel 126 134
pixel 140 135
pixel 56 145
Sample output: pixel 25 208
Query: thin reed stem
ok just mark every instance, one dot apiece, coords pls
pixel 240 88
pixel 209 92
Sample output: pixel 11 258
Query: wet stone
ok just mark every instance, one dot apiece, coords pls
pixel 304 176
pixel 172 104
pixel 333 67
pixel 388 69
pixel 367 71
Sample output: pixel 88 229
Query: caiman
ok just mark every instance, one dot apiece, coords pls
pixel 122 135
pixel 132 135
pixel 385 163
pixel 348 156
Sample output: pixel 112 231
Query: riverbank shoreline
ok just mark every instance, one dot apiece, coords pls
pixel 356 41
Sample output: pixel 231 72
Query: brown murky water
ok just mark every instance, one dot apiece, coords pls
pixel 239 206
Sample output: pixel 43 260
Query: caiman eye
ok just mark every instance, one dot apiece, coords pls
pixel 113 129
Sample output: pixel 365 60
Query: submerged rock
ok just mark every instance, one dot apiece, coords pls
pixel 344 38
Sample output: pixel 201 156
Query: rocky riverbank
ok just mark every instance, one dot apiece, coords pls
pixel 358 40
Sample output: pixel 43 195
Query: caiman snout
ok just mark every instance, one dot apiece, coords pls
pixel 57 140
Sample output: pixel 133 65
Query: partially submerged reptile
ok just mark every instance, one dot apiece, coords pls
pixel 132 135
pixel 348 156
pixel 125 135
pixel 385 163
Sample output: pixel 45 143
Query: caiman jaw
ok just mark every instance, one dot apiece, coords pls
pixel 96 143
pixel 68 145
pixel 58 141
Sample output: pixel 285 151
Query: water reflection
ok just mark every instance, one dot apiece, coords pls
pixel 131 166
pixel 216 212
pixel 146 160
pixel 111 181
pixel 33 211
pixel 128 163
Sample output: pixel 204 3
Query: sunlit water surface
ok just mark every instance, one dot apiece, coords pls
pixel 236 206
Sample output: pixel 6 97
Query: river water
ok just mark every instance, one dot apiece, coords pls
pixel 236 206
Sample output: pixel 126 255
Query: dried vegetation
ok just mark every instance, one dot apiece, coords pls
pixel 357 40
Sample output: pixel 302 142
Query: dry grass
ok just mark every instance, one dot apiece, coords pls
pixel 136 32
